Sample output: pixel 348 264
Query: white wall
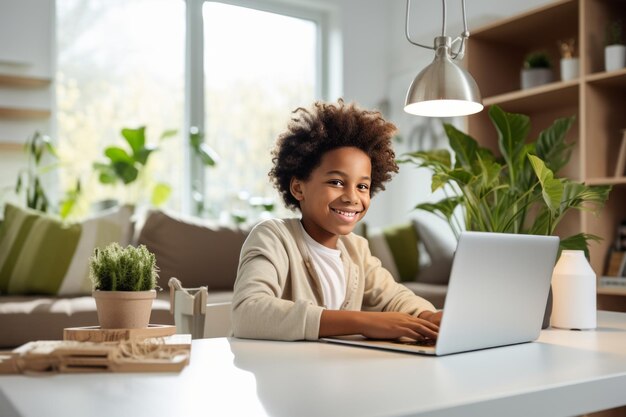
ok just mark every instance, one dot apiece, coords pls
pixel 376 62
pixel 412 186
pixel 26 37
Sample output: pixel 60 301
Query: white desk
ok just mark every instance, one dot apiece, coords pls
pixel 564 373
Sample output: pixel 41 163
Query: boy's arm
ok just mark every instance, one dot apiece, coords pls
pixel 379 325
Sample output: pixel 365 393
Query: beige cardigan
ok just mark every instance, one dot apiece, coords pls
pixel 278 294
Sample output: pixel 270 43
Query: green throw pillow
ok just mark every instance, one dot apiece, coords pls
pixel 42 255
pixel 402 241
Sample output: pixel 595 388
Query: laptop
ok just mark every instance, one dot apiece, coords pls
pixel 497 295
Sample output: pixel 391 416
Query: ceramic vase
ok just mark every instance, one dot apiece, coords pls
pixel 124 309
pixel 569 69
pixel 533 77
pixel 574 292
pixel 614 57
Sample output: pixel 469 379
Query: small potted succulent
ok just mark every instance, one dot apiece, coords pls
pixel 124 285
pixel 615 48
pixel 537 70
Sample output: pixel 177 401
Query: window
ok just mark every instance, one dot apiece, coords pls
pixel 121 63
pixel 258 67
pixel 117 68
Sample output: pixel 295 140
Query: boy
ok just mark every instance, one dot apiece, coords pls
pixel 311 277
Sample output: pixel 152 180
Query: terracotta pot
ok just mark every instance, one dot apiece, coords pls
pixel 124 309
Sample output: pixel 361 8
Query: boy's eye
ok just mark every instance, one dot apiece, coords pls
pixel 336 182
pixel 363 187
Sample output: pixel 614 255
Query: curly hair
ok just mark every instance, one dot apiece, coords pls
pixel 322 128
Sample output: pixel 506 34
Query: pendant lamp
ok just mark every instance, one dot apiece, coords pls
pixel 443 88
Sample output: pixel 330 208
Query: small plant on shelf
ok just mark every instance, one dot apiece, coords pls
pixel 615 49
pixel 614 34
pixel 537 59
pixel 537 70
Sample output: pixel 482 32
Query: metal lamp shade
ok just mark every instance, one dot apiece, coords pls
pixel 443 89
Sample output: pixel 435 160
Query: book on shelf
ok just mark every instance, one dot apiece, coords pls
pixel 617 264
pixel 612 281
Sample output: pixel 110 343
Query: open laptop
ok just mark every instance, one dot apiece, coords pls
pixel 496 296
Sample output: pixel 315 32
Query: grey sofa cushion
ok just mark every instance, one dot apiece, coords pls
pixel 193 251
pixel 440 246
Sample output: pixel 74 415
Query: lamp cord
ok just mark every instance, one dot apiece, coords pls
pixel 464 36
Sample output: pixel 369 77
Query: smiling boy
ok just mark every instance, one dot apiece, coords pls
pixel 312 277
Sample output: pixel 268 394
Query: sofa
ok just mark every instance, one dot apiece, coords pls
pixel 44 286
pixel 196 252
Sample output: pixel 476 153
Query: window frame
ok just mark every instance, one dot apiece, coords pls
pixel 194 178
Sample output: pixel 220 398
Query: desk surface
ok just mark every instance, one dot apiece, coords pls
pixel 563 373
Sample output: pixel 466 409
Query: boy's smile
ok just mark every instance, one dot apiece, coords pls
pixel 336 195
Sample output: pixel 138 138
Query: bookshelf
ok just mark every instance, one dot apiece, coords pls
pixel 597 99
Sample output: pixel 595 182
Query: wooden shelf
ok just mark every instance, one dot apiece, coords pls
pixel 22 114
pixel 537 99
pixel 22 82
pixel 611 291
pixel 597 99
pixel 606 181
pixel 11 147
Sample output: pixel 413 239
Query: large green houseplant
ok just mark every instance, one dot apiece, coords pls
pixel 517 192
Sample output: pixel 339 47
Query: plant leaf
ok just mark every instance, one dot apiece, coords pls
pixel 512 131
pixel 444 207
pixel 136 138
pixel 436 157
pixel 142 155
pixel 551 146
pixel 125 171
pixel 464 146
pixel 551 188
pixel 168 134
pixel 117 154
pixel 160 194
pixel 579 241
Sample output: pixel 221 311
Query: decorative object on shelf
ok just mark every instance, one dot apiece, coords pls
pixel 615 48
pixel 128 168
pixel 443 88
pixel 537 70
pixel 570 65
pixel 124 282
pixel 574 292
pixel 517 193
pixel 621 157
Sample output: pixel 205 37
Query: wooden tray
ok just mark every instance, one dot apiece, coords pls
pixel 97 334
pixel 163 354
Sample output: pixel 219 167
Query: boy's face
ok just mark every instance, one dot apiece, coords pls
pixel 336 195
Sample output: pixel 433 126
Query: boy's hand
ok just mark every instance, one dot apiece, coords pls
pixel 432 316
pixel 377 325
pixel 393 325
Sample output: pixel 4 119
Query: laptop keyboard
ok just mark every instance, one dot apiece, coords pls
pixel 425 342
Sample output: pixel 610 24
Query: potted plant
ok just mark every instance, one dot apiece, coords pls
pixel 517 192
pixel 614 50
pixel 537 70
pixel 569 63
pixel 124 285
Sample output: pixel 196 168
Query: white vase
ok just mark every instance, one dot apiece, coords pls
pixel 614 57
pixel 574 292
pixel 533 77
pixel 569 69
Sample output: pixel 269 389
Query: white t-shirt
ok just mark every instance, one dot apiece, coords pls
pixel 327 262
